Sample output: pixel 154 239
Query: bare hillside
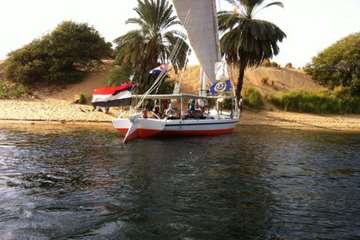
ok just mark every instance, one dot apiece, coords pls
pixel 189 79
pixel 267 80
pixel 271 80
pixel 94 80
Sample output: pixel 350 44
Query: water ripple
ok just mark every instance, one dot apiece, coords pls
pixel 259 183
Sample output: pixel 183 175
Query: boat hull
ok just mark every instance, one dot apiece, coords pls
pixel 146 128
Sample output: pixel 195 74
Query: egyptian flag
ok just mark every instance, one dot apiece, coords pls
pixel 221 87
pixel 113 96
pixel 163 68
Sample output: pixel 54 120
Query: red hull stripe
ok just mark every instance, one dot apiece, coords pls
pixel 146 133
pixel 142 134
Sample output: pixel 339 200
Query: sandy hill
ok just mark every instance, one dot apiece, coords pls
pixel 271 80
pixel 267 80
pixel 96 79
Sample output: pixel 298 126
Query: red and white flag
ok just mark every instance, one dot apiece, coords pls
pixel 113 96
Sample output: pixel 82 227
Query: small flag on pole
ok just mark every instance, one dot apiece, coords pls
pixel 221 87
pixel 163 68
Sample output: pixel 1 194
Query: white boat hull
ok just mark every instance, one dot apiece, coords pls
pixel 144 128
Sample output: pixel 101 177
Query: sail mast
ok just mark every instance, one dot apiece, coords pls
pixel 203 34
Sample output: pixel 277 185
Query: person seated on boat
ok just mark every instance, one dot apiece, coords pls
pixel 156 112
pixel 164 105
pixel 219 105
pixel 191 109
pixel 172 112
pixel 152 114
pixel 195 111
pixel 199 111
pixel 145 113
pixel 191 105
pixel 201 104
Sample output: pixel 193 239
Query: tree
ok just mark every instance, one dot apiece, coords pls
pixel 61 56
pixel 339 65
pixel 246 41
pixel 153 43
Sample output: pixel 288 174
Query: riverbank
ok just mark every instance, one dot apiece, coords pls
pixel 61 112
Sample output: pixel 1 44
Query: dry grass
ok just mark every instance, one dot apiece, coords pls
pixel 267 81
pixel 273 80
pixel 189 79
pixel 278 80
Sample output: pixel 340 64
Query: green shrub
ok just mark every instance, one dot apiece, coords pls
pixel 167 86
pixel 275 65
pixel 82 98
pixel 59 57
pixel 339 65
pixel 119 75
pixel 228 104
pixel 11 90
pixel 335 102
pixel 253 99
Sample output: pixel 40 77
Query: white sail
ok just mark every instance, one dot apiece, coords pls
pixel 200 22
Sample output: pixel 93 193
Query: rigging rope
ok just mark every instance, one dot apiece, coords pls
pixel 172 57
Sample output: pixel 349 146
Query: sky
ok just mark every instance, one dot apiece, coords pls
pixel 310 25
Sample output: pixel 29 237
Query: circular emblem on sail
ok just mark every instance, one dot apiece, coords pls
pixel 220 87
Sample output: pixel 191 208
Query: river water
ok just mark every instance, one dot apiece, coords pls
pixel 259 183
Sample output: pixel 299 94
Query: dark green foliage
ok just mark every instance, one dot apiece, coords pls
pixel 339 65
pixel 82 98
pixel 62 56
pixel 119 75
pixel 122 74
pixel 317 103
pixel 11 90
pixel 247 41
pixel 253 99
pixel 167 87
pixel 228 104
pixel 268 63
pixel 152 43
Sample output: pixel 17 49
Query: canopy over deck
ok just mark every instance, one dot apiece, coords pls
pixel 179 96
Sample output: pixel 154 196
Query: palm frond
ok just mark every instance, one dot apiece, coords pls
pixel 153 42
pixel 279 4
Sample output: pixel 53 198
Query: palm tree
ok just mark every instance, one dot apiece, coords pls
pixel 154 42
pixel 246 41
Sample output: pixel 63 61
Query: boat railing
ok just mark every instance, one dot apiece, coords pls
pixel 179 96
